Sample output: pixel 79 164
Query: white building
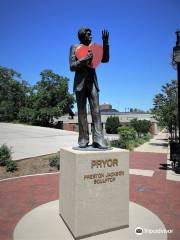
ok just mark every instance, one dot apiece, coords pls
pixel 71 124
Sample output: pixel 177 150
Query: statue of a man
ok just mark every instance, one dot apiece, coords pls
pixel 86 87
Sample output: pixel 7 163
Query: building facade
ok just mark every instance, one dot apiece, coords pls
pixel 71 124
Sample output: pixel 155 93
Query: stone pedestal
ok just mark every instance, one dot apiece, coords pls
pixel 94 191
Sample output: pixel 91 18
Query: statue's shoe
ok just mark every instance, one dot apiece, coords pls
pixel 83 145
pixel 100 146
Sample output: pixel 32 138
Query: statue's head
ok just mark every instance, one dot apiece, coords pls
pixel 84 35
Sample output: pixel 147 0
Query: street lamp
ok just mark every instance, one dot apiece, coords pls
pixel 175 145
pixel 176 60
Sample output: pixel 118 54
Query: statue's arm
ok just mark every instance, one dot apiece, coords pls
pixel 105 38
pixel 76 64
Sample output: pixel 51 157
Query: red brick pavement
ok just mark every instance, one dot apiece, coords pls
pixel 21 195
pixel 146 161
pixel 162 197
pixel 159 195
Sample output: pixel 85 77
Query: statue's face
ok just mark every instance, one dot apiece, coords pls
pixel 87 38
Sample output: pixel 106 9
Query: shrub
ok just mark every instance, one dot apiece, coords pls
pixel 147 137
pixel 112 124
pixel 141 126
pixel 54 161
pixel 127 137
pixel 136 144
pixel 127 133
pixel 115 143
pixel 5 154
pixel 141 141
pixel 128 144
pixel 11 166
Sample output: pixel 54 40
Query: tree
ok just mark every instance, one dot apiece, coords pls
pixel 112 124
pixel 12 94
pixel 141 126
pixel 136 110
pixel 165 105
pixel 145 126
pixel 51 98
pixel 39 104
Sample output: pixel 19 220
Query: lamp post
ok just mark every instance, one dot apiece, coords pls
pixel 176 59
pixel 175 146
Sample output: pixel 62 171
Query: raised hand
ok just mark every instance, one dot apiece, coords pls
pixel 105 36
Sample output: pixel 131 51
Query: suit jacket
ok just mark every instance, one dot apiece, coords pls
pixel 83 72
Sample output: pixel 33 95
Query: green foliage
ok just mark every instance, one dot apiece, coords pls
pixel 112 143
pixel 147 137
pixel 136 144
pixel 6 160
pixel 127 137
pixel 54 161
pixel 5 155
pixel 141 126
pixel 12 94
pixel 51 99
pixel 127 133
pixel 26 115
pixel 39 104
pixel 165 104
pixel 11 166
pixel 115 143
pixel 137 110
pixel 140 141
pixel 112 124
pixel 128 144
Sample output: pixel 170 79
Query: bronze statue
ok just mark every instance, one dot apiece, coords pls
pixel 86 87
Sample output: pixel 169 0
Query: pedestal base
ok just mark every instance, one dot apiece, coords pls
pixel 94 191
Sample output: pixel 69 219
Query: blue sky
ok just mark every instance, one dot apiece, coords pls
pixel 37 34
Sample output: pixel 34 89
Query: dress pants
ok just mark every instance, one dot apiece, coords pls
pixel 89 92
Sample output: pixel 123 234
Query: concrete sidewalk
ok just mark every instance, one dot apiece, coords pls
pixel 48 215
pixel 158 144
pixel 30 141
